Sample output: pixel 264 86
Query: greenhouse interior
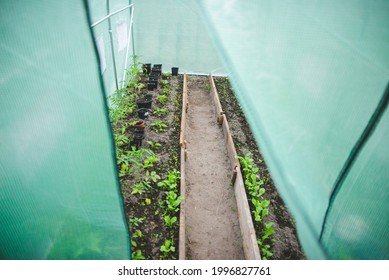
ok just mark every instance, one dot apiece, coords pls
pixel 194 130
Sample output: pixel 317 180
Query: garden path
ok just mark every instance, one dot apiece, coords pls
pixel 212 224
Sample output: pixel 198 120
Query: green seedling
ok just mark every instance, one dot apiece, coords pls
pixel 162 99
pixel 166 91
pixel 167 247
pixel 173 201
pixel 136 221
pixel 164 82
pixel 158 126
pixel 160 112
pixel 153 145
pixel 169 222
pixel 150 160
pixel 137 255
pixel 166 74
pixel 139 187
pixel 150 177
pixel 171 180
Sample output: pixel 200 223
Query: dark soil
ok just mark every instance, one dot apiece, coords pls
pixel 285 245
pixel 150 233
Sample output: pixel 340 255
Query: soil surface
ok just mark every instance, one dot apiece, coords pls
pixel 284 245
pixel 212 224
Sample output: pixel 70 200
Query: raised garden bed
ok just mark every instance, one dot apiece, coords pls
pixel 280 243
pixel 148 171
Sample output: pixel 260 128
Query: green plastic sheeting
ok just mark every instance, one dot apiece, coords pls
pixel 59 192
pixel 172 33
pixel 310 76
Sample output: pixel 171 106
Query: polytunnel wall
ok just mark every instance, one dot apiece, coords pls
pixel 59 193
pixel 312 77
pixel 174 34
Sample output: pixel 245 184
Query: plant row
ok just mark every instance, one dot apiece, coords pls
pixel 147 160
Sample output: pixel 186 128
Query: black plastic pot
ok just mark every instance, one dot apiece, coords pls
pixel 152 85
pixel 136 142
pixel 143 103
pixel 143 113
pixel 174 71
pixel 139 131
pixel 156 71
pixel 148 96
pixel 158 66
pixel 146 68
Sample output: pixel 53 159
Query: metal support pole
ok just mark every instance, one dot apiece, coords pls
pixel 112 48
pixel 130 33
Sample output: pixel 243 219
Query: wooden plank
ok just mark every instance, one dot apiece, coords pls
pixel 182 234
pixel 250 245
pixel 184 110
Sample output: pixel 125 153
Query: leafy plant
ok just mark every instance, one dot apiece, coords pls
pixel 137 255
pixel 158 126
pixel 153 145
pixel 171 180
pixel 162 99
pixel 170 221
pixel 167 247
pixel 136 221
pixel 173 201
pixel 150 160
pixel 164 82
pixel 139 187
pixel 166 75
pixel 166 91
pixel 160 112
pixel 150 177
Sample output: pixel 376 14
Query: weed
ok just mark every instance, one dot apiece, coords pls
pixel 135 221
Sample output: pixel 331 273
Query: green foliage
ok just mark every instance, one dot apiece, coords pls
pixel 137 255
pixel 171 181
pixel 153 145
pixel 150 160
pixel 162 99
pixel 164 82
pixel 170 221
pixel 173 201
pixel 167 247
pixel 135 221
pixel 139 187
pixel 161 112
pixel 158 126
pixel 150 177
pixel 166 91
pixel 166 75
